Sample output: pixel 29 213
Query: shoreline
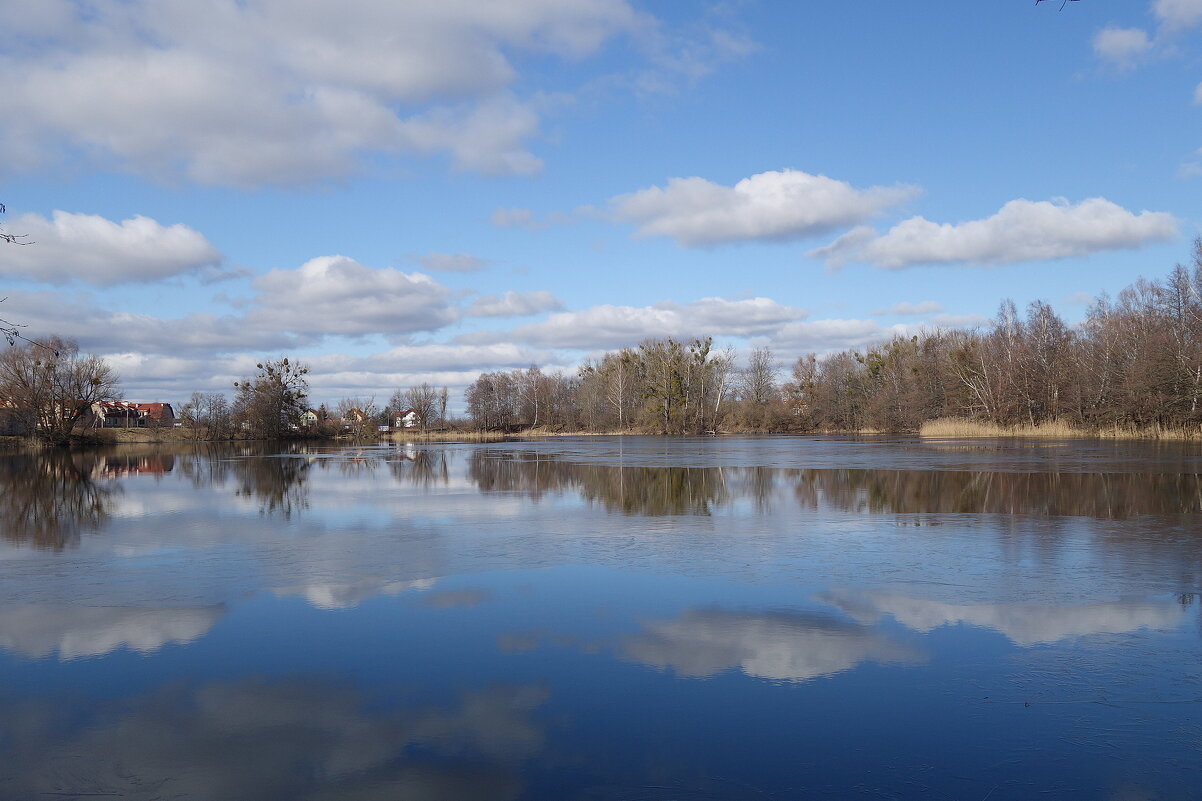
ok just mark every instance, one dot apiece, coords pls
pixel 941 429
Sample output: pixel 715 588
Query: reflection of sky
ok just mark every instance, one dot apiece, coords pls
pixel 190 540
pixel 769 645
pixel 1023 624
pixel 274 741
pixel 71 633
pixel 346 596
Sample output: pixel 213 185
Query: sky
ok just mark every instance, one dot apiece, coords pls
pixel 406 191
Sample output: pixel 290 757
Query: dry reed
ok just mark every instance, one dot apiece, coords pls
pixel 956 427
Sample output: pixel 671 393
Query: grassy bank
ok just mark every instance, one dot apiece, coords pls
pixel 954 428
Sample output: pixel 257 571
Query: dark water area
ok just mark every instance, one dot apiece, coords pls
pixel 604 619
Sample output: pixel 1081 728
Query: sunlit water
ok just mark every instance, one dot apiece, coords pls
pixel 638 619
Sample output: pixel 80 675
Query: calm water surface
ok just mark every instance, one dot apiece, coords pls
pixel 604 619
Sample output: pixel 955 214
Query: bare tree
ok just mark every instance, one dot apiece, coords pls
pixel 759 379
pixel 272 404
pixel 52 387
pixel 358 416
pixel 424 401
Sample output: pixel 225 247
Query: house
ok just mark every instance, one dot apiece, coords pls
pixel 124 414
pixel 309 418
pixel 406 418
pixel 353 418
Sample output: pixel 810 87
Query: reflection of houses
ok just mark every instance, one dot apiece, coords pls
pixel 406 418
pixel 124 414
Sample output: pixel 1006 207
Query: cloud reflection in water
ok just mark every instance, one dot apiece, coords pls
pixel 73 633
pixel 255 739
pixel 785 646
pixel 1023 624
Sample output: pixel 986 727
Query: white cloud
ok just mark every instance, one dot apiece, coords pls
pixel 907 308
pixel 76 316
pixel 959 320
pixel 338 295
pixel 834 335
pixel 775 205
pixel 1022 230
pixel 515 217
pixel 1177 15
pixel 513 304
pixel 452 262
pixel 783 646
pixel 1122 47
pixel 1190 169
pixel 608 326
pixel 488 137
pixel 284 92
pixel 91 249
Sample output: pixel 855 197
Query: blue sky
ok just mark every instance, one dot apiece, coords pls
pixel 405 191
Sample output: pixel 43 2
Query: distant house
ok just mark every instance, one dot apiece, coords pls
pixel 11 423
pixel 124 414
pixel 353 418
pixel 406 418
pixel 309 418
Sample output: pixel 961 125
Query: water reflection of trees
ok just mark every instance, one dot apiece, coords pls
pixel 420 468
pixel 278 483
pixel 651 491
pixel 48 499
pixel 698 490
pixel 1109 496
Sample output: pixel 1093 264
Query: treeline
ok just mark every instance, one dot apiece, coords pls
pixel 1134 362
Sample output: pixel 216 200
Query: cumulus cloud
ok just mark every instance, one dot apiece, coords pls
pixel 516 217
pixel 615 326
pixel 272 92
pixel 513 304
pixel 94 250
pixel 1023 230
pixel 1177 15
pixel 435 356
pixel 338 295
pixel 1122 47
pixel 452 262
pixel 487 137
pixel 785 646
pixel 907 308
pixel 1022 624
pixel 834 334
pixel 78 316
pixel 775 205
pixel 73 633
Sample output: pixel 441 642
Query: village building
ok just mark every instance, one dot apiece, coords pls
pixel 125 414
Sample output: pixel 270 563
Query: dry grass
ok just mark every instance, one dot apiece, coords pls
pixel 122 435
pixel 955 427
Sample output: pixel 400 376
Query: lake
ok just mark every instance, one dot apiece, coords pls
pixel 595 619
